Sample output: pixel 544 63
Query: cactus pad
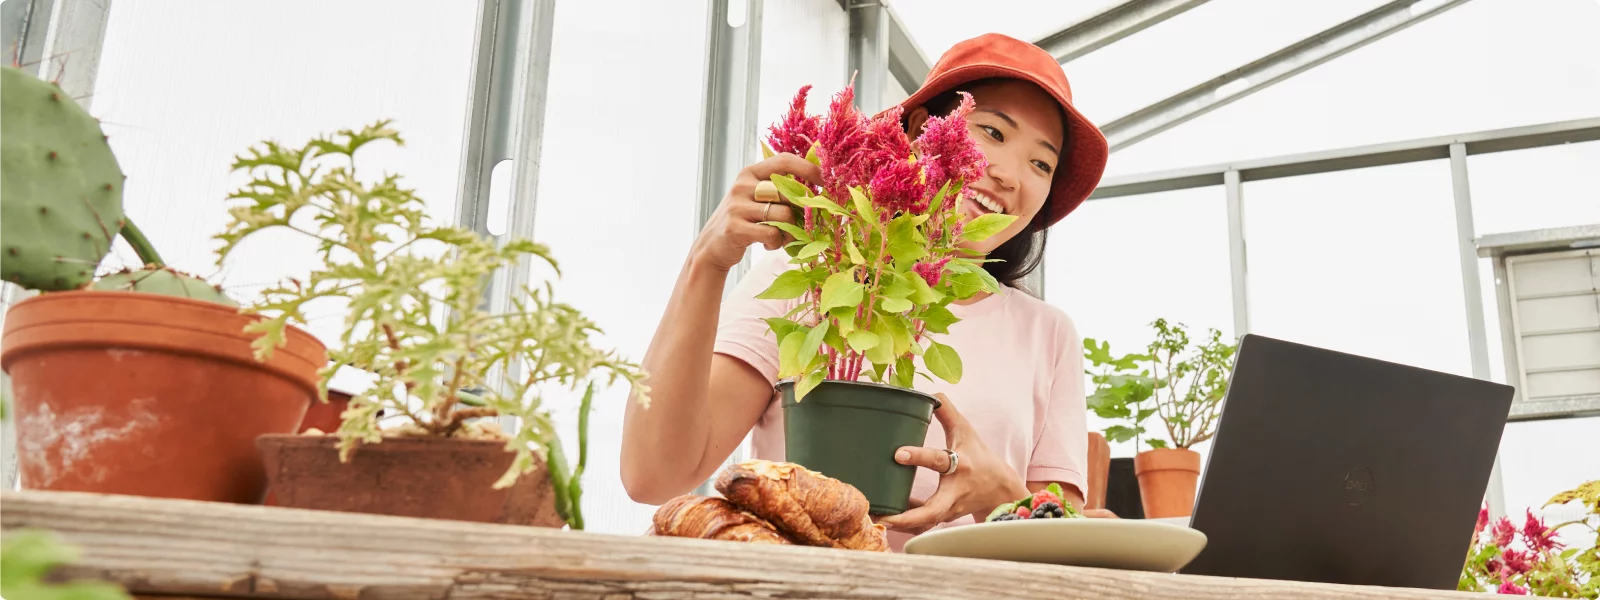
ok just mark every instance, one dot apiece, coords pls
pixel 60 187
pixel 162 280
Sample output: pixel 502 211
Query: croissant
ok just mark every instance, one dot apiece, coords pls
pixel 713 519
pixel 812 508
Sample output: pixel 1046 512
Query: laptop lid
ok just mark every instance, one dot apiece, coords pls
pixel 1330 467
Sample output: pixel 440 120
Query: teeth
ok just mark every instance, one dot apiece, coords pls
pixel 993 206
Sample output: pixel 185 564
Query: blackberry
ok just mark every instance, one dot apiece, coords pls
pixel 1005 517
pixel 1049 510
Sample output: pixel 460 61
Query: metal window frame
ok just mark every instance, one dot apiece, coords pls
pixel 1110 25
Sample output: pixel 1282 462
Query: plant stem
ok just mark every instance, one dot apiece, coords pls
pixel 141 244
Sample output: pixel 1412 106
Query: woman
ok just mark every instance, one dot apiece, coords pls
pixel 1020 424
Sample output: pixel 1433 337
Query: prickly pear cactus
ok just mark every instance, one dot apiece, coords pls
pixel 162 280
pixel 60 187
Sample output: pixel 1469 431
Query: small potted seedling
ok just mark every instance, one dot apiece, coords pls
pixel 153 392
pixel 413 292
pixel 876 261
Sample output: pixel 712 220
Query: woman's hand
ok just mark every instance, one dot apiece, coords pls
pixel 737 223
pixel 980 482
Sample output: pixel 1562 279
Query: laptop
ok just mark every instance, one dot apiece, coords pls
pixel 1330 467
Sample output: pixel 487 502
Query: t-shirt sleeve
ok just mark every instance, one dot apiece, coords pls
pixel 1063 447
pixel 742 331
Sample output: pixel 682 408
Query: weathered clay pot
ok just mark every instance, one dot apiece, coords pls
pixel 427 477
pixel 149 395
pixel 322 416
pixel 1167 480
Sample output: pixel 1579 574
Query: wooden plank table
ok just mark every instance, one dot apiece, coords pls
pixel 170 548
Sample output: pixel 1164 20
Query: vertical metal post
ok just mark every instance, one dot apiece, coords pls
pixel 63 38
pixel 1472 293
pixel 869 52
pixel 729 132
pixel 1238 262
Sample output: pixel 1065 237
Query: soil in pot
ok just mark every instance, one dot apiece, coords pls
pixel 149 395
pixel 1167 480
pixel 850 431
pixel 427 477
pixel 1122 490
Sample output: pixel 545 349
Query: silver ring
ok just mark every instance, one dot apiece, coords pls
pixel 764 211
pixel 955 461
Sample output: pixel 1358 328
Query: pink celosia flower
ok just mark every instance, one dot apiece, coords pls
pixel 1511 589
pixel 948 152
pixel 797 130
pixel 1504 532
pixel 931 272
pixel 1492 565
pixel 1483 521
pixel 1515 562
pixel 886 140
pixel 894 188
pixel 841 140
pixel 1538 537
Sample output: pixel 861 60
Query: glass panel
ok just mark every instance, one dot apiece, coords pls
pixel 1360 261
pixel 1539 459
pixel 1542 64
pixel 1539 188
pixel 1116 265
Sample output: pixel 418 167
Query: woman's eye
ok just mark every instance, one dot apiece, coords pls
pixel 1044 166
pixel 994 133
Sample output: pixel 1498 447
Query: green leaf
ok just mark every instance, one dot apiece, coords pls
pixel 985 227
pixel 841 289
pixel 862 341
pixel 789 285
pixel 799 233
pixel 781 327
pixel 938 318
pixel 1121 433
pixel 863 207
pixel 923 294
pixel 963 285
pixel 813 249
pixel 808 383
pixel 882 354
pixel 834 340
pixel 900 329
pixel 819 202
pixel 899 286
pixel 1157 443
pixel 905 248
pixel 766 151
pixel 917 350
pixel 813 342
pixel 847 319
pixel 943 361
pixel 895 305
pixel 905 372
pixel 790 188
pixel 855 253
pixel 811 155
pixel 789 363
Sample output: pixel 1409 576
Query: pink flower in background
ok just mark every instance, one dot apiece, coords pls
pixel 797 130
pixel 1504 532
pixel 1515 562
pixel 931 272
pixel 948 151
pixel 894 188
pixel 1483 521
pixel 1511 589
pixel 1538 537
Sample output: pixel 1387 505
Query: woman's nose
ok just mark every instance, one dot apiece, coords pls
pixel 1001 174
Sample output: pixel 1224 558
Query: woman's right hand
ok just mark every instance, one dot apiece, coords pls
pixel 737 223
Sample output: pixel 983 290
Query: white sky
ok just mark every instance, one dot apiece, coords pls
pixel 1361 261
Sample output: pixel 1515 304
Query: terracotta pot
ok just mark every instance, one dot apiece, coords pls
pixel 1167 479
pixel 322 416
pixel 427 477
pixel 148 395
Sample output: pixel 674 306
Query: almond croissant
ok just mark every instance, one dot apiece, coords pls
pixel 713 519
pixel 814 509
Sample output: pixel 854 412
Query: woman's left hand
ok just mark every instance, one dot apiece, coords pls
pixel 980 482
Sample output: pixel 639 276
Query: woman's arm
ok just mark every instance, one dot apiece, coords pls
pixel 702 404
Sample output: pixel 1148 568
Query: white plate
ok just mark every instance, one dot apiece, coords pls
pixel 1130 544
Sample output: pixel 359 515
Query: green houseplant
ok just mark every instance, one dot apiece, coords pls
pixel 1530 560
pixel 414 295
pixel 876 262
pixel 135 373
pixel 1180 381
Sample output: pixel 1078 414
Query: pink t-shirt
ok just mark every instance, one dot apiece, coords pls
pixel 1022 384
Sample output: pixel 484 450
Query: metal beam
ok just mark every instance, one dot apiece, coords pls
pixel 1107 26
pixel 25 23
pixel 1472 293
pixel 869 53
pixel 907 64
pixel 1263 73
pixel 1358 157
pixel 1238 260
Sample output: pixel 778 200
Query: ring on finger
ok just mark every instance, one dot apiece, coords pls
pixel 764 212
pixel 767 192
pixel 955 461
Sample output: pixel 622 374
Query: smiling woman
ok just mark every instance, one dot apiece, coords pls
pixel 1020 424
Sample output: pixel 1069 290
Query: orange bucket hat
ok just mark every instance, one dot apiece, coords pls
pixel 993 55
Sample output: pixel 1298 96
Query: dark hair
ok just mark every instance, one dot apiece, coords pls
pixel 1019 256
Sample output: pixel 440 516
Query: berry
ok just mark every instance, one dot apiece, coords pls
pixel 1048 510
pixel 1043 496
pixel 1023 512
pixel 1006 517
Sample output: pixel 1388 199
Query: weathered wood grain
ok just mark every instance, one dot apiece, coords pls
pixel 205 550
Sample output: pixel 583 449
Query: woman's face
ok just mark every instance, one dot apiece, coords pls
pixel 1018 127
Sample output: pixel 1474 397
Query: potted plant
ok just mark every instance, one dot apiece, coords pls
pixel 876 261
pixel 415 321
pixel 154 393
pixel 1532 560
pixel 1184 386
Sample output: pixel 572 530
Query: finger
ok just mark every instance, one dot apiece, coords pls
pixel 920 519
pixel 955 424
pixel 757 212
pixel 1099 513
pixel 768 236
pixel 787 164
pixel 934 459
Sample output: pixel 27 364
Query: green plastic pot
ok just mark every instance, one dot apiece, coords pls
pixel 850 431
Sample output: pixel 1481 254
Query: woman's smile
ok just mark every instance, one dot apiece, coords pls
pixel 980 203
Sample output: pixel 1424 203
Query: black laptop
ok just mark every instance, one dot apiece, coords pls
pixel 1330 467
